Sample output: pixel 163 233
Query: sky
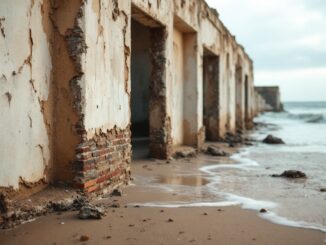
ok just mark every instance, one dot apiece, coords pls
pixel 286 40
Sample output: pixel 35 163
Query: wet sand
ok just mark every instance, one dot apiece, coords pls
pixel 161 226
pixel 133 224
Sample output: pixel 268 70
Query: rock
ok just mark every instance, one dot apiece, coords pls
pixel 231 145
pixel 263 210
pixel 116 193
pixel 90 212
pixel 291 174
pixel 214 151
pixel 84 238
pixel 170 220
pixel 322 189
pixel 233 139
pixel 185 152
pixel 114 205
pixel 270 139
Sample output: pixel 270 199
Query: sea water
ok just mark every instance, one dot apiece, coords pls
pixel 248 182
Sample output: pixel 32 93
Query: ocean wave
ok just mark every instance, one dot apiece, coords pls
pixel 308 117
pixel 304 117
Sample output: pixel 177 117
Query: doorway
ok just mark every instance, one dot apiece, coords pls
pixel 211 84
pixel 239 98
pixel 147 86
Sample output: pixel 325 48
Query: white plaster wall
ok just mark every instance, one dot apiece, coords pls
pixel 24 142
pixel 210 36
pixel 193 88
pixel 157 10
pixel 224 94
pixel 107 79
pixel 177 88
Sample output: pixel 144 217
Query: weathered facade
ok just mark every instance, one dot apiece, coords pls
pixel 79 78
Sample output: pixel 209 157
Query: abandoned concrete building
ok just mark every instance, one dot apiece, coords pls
pixel 82 83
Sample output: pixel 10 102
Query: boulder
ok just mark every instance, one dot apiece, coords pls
pixel 291 174
pixel 270 139
pixel 214 151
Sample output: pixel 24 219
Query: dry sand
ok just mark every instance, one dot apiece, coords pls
pixel 130 224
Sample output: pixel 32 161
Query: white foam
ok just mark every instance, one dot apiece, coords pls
pixel 276 219
pixel 241 163
pixel 248 203
pixel 251 204
pixel 185 204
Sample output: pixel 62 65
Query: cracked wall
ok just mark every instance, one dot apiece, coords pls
pixel 104 155
pixel 25 93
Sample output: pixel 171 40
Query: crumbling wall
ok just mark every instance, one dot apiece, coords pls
pixel 65 86
pixel 26 103
pixel 103 158
pixel 68 79
pixel 160 121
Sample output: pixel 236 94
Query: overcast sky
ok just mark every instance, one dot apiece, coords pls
pixel 287 41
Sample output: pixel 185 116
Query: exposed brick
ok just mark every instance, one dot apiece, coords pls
pixel 104 162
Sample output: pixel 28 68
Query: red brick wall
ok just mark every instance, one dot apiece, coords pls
pixel 103 163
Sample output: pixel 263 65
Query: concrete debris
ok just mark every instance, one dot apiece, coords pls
pixel 90 211
pixel 68 204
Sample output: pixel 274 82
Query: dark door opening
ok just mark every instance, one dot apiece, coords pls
pixel 147 83
pixel 246 101
pixel 211 95
pixel 141 68
pixel 239 98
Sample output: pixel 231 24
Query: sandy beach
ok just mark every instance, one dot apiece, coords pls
pixel 129 222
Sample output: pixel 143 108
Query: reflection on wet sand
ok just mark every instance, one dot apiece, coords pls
pixel 183 180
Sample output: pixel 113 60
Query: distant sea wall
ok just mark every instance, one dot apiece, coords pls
pixel 272 96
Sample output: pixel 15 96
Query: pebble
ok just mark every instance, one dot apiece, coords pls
pixel 84 238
